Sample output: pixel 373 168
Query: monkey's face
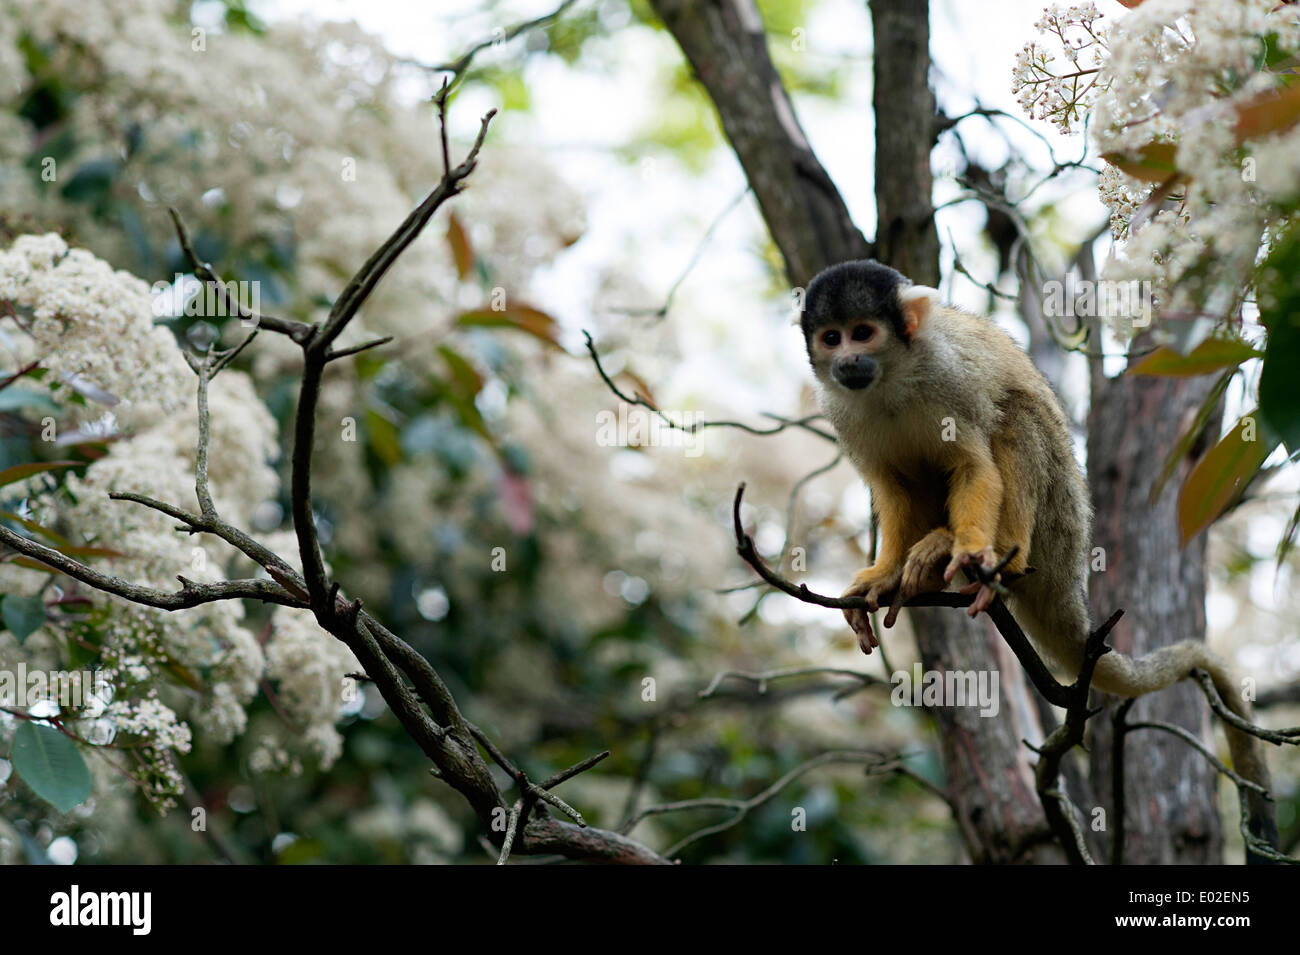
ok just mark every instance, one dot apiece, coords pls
pixel 850 318
pixel 850 355
pixel 859 320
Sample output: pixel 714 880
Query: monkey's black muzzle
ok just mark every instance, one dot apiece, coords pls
pixel 855 372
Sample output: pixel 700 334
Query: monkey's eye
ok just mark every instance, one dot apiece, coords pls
pixel 863 333
pixel 831 339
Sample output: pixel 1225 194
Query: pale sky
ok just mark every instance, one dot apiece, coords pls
pixel 656 212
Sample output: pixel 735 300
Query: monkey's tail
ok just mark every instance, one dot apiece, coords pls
pixel 1129 677
pixel 1060 627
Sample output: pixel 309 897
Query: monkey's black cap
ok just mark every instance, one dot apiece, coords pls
pixel 852 290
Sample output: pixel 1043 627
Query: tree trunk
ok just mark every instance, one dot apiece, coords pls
pixel 988 769
pixel 991 786
pixel 725 44
pixel 1170 790
pixel 903 103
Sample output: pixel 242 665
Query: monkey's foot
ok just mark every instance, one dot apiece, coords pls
pixel 986 559
pixel 871 584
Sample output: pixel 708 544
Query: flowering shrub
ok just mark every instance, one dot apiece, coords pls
pixel 1195 106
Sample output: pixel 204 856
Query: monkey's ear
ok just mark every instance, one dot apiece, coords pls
pixel 916 302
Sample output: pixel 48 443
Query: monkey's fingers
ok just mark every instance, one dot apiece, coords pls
pixel 866 635
pixel 957 563
pixel 984 596
pixel 861 624
pixel 902 593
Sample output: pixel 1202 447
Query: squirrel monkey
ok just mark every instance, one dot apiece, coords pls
pixel 967 454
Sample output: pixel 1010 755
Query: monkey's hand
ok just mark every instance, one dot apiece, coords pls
pixel 967 555
pixel 872 583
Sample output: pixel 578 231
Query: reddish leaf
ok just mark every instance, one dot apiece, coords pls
pixel 181 673
pixel 1210 355
pixel 1270 112
pixel 524 318
pixel 461 251
pixel 32 564
pixel 517 503
pixel 642 388
pixel 20 471
pixel 1220 476
pixel 1154 162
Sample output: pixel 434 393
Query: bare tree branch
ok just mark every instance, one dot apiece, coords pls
pixel 442 733
pixel 191 593
pixel 740 808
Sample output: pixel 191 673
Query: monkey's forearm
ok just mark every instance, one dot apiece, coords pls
pixel 974 504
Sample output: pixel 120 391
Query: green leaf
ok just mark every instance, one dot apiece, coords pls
pixel 468 381
pixel 93 180
pixel 22 615
pixel 301 852
pixel 51 764
pixel 14 399
pixel 1287 543
pixel 1278 293
pixel 90 552
pixel 465 384
pixel 384 438
pixel 34 527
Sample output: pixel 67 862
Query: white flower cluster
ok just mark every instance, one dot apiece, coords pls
pixel 90 324
pixel 308 147
pixel 101 315
pixel 1177 63
pixel 1170 81
pixel 1060 89
pixel 309 675
pixel 1178 72
pixel 1123 195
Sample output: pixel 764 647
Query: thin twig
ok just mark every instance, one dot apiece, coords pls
pixel 640 402
pixel 761 680
pixel 458 66
pixel 661 311
pixel 1276 737
pixel 741 808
